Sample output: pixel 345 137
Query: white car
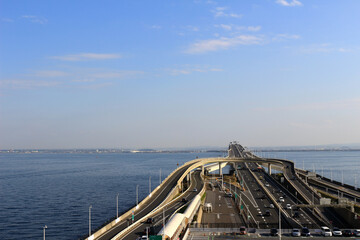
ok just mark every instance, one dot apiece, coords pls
pixel 267 184
pixel 144 237
pixel 336 232
pixel 295 232
pixel 272 205
pixel 281 199
pixel 288 206
pixel 357 232
pixel 326 232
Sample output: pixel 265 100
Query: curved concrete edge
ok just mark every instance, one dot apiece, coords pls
pixel 124 232
pixel 194 164
pixel 127 214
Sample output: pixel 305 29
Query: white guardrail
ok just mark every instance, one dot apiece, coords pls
pixel 127 230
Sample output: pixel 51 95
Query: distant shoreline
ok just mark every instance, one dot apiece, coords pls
pixel 102 151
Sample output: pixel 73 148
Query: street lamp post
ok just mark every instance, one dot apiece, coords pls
pixel 280 221
pixel 45 227
pixel 117 206
pixel 160 177
pixel 90 220
pixel 137 196
pixel 150 186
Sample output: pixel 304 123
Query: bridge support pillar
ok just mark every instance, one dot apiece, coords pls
pixel 202 169
pixel 269 168
pixel 220 169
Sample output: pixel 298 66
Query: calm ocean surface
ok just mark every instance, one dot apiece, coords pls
pixel 57 189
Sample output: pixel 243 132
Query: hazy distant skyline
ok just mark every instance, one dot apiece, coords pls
pixel 162 74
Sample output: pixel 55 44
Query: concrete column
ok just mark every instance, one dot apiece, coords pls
pixel 269 168
pixel 202 169
pixel 220 169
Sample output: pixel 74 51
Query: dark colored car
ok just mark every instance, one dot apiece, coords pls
pixel 347 233
pixel 296 214
pixel 305 232
pixel 150 220
pixel 242 230
pixel 184 200
pixel 273 232
pixel 267 213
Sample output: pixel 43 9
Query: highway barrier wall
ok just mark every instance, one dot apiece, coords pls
pixel 154 212
pixel 128 214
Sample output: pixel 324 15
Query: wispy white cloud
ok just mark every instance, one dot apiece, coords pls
pixel 87 56
pixel 209 45
pixel 192 28
pixel 50 73
pixel 222 12
pixel 114 74
pixel 231 27
pixel 254 28
pixel 7 20
pixel 185 70
pixel 78 78
pixel 285 36
pixel 224 26
pixel 35 19
pixel 27 84
pixel 289 3
pixel 156 27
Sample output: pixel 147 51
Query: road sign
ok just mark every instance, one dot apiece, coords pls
pixel 155 237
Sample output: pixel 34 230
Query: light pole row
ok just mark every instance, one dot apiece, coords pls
pixel 117 203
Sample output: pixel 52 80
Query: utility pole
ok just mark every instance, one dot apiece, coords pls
pixel 150 186
pixel 44 230
pixel 117 206
pixel 137 196
pixel 160 177
pixel 279 222
pixel 163 224
pixel 90 220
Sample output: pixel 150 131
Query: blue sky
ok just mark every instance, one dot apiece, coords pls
pixel 133 74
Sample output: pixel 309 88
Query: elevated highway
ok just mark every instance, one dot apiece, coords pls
pixel 173 185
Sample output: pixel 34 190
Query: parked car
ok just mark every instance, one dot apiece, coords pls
pixel 295 232
pixel 305 232
pixel 357 232
pixel 267 213
pixel 288 206
pixel 242 230
pixel 281 199
pixel 336 232
pixel 325 231
pixel 273 232
pixel 296 214
pixel 271 205
pixel 347 233
pixel 150 220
